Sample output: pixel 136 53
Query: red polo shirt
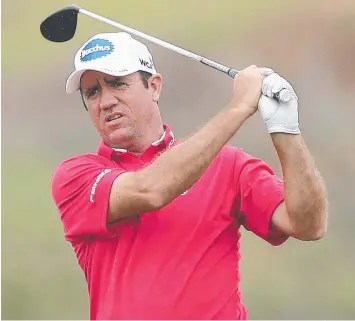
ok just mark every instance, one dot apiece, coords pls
pixel 179 262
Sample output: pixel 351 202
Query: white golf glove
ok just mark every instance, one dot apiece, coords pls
pixel 278 117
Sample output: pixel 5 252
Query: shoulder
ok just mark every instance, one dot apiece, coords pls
pixel 77 168
pixel 78 162
pixel 230 150
pixel 239 156
pixel 230 153
pixel 226 160
pixel 244 162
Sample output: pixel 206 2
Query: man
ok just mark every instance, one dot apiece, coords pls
pixel 155 223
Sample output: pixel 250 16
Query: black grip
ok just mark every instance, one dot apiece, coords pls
pixel 233 72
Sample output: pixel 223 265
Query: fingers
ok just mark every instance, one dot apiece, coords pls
pixel 273 84
pixel 251 68
pixel 267 71
pixel 253 72
pixel 263 71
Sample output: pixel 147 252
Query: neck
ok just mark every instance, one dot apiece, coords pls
pixel 140 144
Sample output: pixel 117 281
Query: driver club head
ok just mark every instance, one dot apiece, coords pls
pixel 60 26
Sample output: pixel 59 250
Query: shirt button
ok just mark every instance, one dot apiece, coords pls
pixel 141 161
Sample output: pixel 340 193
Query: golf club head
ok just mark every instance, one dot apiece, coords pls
pixel 60 26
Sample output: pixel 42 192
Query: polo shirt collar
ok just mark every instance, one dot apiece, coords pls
pixel 166 141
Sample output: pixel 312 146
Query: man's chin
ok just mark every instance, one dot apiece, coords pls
pixel 119 138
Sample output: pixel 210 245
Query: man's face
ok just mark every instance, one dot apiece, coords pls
pixel 122 109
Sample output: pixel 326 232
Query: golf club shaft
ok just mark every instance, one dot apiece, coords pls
pixel 284 95
pixel 230 71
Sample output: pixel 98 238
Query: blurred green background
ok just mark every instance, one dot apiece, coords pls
pixel 311 43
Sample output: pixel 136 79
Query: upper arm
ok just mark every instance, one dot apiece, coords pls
pixel 81 189
pixel 129 197
pixel 260 192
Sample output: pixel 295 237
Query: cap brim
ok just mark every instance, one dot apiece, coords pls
pixel 73 81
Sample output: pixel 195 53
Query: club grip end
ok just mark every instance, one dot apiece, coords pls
pixel 284 95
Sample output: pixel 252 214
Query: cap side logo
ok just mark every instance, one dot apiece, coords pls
pixel 96 49
pixel 147 64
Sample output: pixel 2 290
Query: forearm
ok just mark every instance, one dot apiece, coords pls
pixel 305 192
pixel 180 167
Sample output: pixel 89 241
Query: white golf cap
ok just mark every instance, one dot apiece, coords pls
pixel 116 54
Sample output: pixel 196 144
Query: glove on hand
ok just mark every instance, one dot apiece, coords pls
pixel 278 117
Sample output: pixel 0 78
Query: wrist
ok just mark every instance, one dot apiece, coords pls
pixel 285 142
pixel 241 110
pixel 281 128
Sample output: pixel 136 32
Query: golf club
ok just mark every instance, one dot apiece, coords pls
pixel 61 26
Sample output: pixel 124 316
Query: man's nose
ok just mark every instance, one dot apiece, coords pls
pixel 108 100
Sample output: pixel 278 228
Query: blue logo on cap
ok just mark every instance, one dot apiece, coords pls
pixel 96 49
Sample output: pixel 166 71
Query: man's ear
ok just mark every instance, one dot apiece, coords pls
pixel 155 86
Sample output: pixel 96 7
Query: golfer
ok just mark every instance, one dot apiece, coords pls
pixel 155 222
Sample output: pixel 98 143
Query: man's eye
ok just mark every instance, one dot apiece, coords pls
pixel 118 84
pixel 92 92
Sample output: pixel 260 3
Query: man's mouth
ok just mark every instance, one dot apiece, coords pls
pixel 117 116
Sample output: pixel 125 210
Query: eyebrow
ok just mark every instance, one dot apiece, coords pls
pixel 90 88
pixel 116 79
pixel 107 81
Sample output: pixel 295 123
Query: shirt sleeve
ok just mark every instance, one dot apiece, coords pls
pixel 81 189
pixel 259 192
